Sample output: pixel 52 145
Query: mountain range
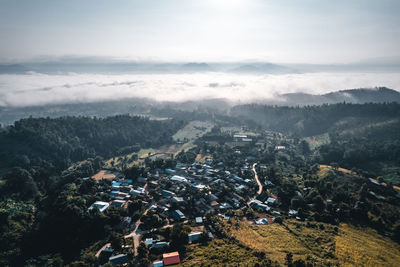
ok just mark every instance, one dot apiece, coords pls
pixel 356 96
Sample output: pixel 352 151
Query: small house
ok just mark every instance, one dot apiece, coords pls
pixel 118 203
pixel 158 264
pixel 199 220
pixel 171 258
pixel 270 201
pixel 194 236
pixel 100 205
pixel 119 259
pixel 178 215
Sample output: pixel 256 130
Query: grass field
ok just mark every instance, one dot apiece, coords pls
pixel 193 130
pixel 365 247
pixel 136 158
pixel 320 243
pixel 219 252
pixel 276 240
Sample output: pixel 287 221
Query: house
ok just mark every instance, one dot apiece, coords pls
pixel 100 205
pixel 171 258
pixel 167 193
pixel 178 178
pixel 169 171
pixel 178 200
pixel 270 201
pixel 276 213
pixel 225 206
pixel 238 179
pixel 118 203
pixel 280 148
pixel 214 203
pixel 135 192
pixel 115 185
pixel 198 186
pixel 262 221
pixel 126 182
pixel 240 187
pixel 119 259
pixel 257 204
pixel 178 215
pixel 160 245
pixel 199 220
pixel 119 195
pixel 194 236
pixel 149 242
pixel 158 264
pixel 293 212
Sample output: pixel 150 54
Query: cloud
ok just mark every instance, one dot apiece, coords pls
pixel 38 89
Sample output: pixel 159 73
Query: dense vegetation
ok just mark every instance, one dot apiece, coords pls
pixel 59 142
pixel 43 210
pixel 314 120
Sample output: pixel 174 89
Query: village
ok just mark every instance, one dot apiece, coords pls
pixel 188 194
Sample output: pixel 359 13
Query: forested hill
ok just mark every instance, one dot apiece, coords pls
pixel 58 142
pixel 314 120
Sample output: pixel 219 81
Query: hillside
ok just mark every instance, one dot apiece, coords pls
pixel 319 243
pixel 62 141
pixel 356 96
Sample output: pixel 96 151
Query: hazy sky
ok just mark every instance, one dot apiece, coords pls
pixel 310 31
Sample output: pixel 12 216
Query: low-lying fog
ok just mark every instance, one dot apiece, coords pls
pixel 38 89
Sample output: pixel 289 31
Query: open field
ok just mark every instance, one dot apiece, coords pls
pixel 104 174
pixel 136 158
pixel 319 243
pixel 365 247
pixel 219 252
pixel 276 240
pixel 193 130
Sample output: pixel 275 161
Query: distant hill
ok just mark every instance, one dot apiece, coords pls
pixel 13 69
pixel 357 96
pixel 195 67
pixel 263 68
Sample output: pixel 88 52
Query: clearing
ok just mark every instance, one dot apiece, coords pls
pixel 319 243
pixel 193 130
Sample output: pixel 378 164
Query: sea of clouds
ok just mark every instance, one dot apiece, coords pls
pixel 34 89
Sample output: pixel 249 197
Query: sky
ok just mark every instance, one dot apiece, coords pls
pixel 292 31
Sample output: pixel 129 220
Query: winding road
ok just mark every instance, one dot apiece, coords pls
pixel 260 187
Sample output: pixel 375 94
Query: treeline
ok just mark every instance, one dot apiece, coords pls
pixel 369 148
pixel 59 142
pixel 313 120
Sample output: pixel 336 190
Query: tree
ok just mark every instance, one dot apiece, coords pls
pixel 142 251
pixel 179 236
pixel 116 242
pixel 396 232
pixel 21 182
pixel 289 259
